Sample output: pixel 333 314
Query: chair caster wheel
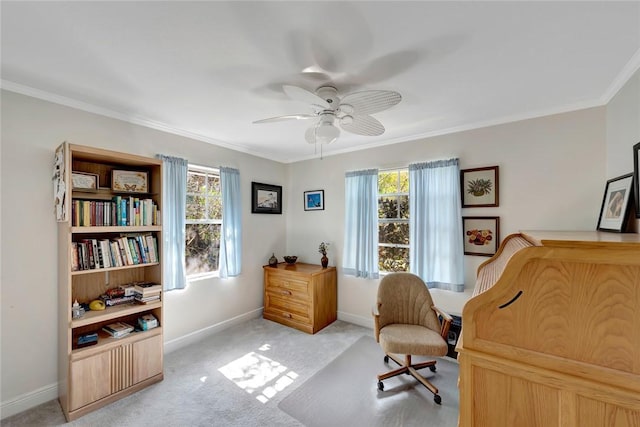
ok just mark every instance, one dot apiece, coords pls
pixel 386 359
pixel 437 399
pixel 432 368
pixel 380 386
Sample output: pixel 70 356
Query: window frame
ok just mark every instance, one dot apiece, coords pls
pixel 207 170
pixel 398 219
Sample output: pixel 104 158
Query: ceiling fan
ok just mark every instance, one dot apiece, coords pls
pixel 352 112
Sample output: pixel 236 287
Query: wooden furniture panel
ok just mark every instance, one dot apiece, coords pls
pixel 303 296
pixel 146 362
pixel 555 339
pixel 94 376
pixel 90 377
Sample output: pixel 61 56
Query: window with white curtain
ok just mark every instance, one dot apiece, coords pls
pixel 203 221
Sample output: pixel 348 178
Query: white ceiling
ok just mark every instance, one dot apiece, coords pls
pixel 209 69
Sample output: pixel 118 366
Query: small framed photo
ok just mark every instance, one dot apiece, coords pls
pixel 84 181
pixel 314 200
pixel 636 177
pixel 614 211
pixel 130 181
pixel 481 235
pixel 266 198
pixel 479 187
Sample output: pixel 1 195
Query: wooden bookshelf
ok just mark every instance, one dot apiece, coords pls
pixel 94 376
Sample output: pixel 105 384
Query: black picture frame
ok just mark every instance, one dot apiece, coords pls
pixel 481 235
pixel 636 177
pixel 479 187
pixel 614 211
pixel 314 200
pixel 266 198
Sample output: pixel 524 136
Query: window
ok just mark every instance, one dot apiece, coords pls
pixel 203 221
pixel 393 220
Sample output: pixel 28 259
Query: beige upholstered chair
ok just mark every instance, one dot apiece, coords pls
pixel 407 323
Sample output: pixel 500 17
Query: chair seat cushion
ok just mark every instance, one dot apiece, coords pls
pixel 412 339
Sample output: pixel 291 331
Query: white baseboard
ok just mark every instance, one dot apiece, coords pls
pixel 28 400
pixel 193 337
pixel 366 322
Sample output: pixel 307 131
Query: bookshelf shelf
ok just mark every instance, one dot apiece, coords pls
pixel 105 270
pixel 92 317
pixel 94 376
pixel 106 342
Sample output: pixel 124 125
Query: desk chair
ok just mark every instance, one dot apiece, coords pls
pixel 406 323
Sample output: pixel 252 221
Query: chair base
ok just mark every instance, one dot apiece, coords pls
pixel 411 369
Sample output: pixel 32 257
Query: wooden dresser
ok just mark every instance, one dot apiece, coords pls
pixel 303 296
pixel 554 338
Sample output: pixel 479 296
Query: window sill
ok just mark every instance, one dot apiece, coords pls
pixel 203 276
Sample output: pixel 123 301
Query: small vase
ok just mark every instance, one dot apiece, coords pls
pixel 273 261
pixel 324 261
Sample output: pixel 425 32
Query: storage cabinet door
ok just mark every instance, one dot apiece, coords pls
pixel 503 400
pixel 147 358
pixel 90 380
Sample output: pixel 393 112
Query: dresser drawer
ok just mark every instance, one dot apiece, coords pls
pixel 287 286
pixel 291 308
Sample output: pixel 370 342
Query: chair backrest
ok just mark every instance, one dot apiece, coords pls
pixel 404 298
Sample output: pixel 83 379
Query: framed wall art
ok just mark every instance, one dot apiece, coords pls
pixel 130 181
pixel 481 235
pixel 614 211
pixel 314 200
pixel 479 187
pixel 636 177
pixel 266 198
pixel 84 181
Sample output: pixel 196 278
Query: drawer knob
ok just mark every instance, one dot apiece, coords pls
pixel 287 315
pixel 286 292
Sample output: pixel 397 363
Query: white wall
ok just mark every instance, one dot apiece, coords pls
pixel 31 130
pixel 623 130
pixel 552 172
pixel 623 127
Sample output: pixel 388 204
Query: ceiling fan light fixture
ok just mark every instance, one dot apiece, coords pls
pixel 326 133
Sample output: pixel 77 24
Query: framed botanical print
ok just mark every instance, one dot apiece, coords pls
pixel 479 187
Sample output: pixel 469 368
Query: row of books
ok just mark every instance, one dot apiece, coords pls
pixel 119 211
pixel 139 292
pixel 128 249
pixel 122 329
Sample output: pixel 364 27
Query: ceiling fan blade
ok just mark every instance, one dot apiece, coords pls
pixel 310 135
pixel 283 118
pixel 303 95
pixel 362 125
pixel 371 101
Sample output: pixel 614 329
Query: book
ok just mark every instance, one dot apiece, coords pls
pixel 112 301
pixel 147 288
pixel 118 329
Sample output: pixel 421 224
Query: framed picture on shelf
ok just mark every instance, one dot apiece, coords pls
pixel 84 181
pixel 614 211
pixel 130 181
pixel 314 200
pixel 266 198
pixel 636 177
pixel 479 187
pixel 481 235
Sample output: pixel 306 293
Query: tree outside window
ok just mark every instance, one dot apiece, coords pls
pixel 203 221
pixel 393 220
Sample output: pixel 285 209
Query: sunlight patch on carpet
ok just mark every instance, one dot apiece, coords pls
pixel 258 375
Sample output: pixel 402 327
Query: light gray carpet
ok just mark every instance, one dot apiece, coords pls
pixel 236 377
pixel 344 393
